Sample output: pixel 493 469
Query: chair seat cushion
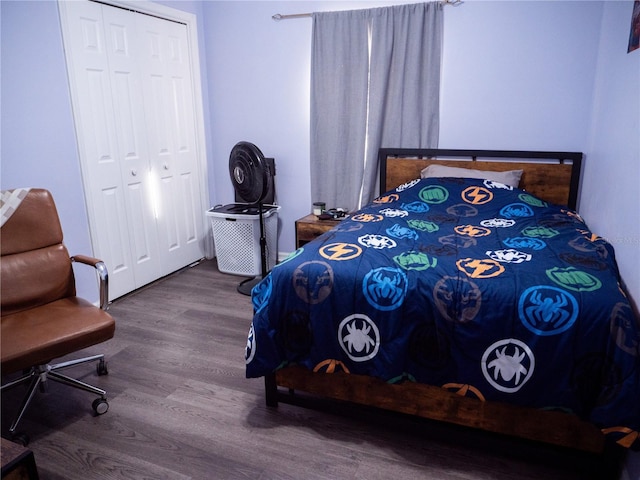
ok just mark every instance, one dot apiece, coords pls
pixel 38 335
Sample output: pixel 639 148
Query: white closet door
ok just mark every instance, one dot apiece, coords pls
pixel 97 135
pixel 169 104
pixel 135 124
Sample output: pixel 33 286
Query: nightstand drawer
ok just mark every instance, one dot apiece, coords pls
pixel 309 228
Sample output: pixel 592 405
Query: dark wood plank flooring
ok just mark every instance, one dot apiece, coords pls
pixel 181 408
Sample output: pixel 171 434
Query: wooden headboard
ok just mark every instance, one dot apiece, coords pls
pixel 552 176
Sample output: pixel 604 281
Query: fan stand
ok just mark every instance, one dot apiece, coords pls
pixel 247 285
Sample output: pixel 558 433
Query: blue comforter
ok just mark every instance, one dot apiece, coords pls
pixel 467 284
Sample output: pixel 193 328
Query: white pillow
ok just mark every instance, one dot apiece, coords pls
pixel 509 177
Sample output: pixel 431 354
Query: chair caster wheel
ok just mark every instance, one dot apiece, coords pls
pixel 101 368
pixel 20 438
pixel 100 406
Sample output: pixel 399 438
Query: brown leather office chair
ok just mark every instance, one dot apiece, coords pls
pixel 41 317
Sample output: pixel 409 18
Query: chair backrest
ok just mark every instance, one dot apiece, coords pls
pixel 35 268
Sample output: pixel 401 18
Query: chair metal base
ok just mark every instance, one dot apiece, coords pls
pixel 40 374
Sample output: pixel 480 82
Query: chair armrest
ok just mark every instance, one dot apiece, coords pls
pixel 103 276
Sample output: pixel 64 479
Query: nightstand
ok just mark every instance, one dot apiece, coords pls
pixel 309 227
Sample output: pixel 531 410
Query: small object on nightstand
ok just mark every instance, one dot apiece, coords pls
pixel 319 208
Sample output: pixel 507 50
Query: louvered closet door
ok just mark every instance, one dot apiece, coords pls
pixel 128 157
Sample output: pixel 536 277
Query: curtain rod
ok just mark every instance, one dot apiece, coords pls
pixel 279 16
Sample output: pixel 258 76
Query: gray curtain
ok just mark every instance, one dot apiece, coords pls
pixel 375 82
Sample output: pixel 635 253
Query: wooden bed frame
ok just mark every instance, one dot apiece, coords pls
pixel 554 176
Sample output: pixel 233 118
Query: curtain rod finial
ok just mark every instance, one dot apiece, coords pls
pixel 277 16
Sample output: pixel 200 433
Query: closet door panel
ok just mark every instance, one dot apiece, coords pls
pixel 137 176
pixel 169 96
pixel 97 134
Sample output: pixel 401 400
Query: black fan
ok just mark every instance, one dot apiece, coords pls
pixel 252 178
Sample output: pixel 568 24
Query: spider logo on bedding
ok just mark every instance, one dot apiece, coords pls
pixel 359 337
pixel 507 365
pixel 394 212
pixel 547 310
pixel 378 242
pixel 398 231
pixel 416 207
pixel 385 288
pixel 498 223
pixel 525 242
pixel 516 210
pixel 509 255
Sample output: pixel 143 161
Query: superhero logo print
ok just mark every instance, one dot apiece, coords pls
pixel 533 201
pixel 359 337
pixel 472 231
pixel 392 197
pixel 427 347
pixel 250 350
pixel 367 217
pixel 378 242
pixel 477 195
pixel 574 279
pixel 260 294
pixel 457 299
pixel 331 365
pixel 516 210
pixel 398 231
pixel 434 194
pixel 340 251
pixel 385 288
pixel 313 281
pixel 348 227
pixel 458 241
pixel 416 207
pixel 406 186
pixel 498 223
pixel 547 310
pixel 291 256
pixel 509 255
pixel 491 184
pixel 508 364
pixel 423 225
pixel 525 242
pixel 412 260
pixel 394 213
pixel 462 210
pixel 586 261
pixel 295 334
pixel 540 231
pixel 623 329
pixel 480 268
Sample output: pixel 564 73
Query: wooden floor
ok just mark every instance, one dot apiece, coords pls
pixel 181 408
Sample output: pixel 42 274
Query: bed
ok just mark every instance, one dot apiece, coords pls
pixel 477 297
